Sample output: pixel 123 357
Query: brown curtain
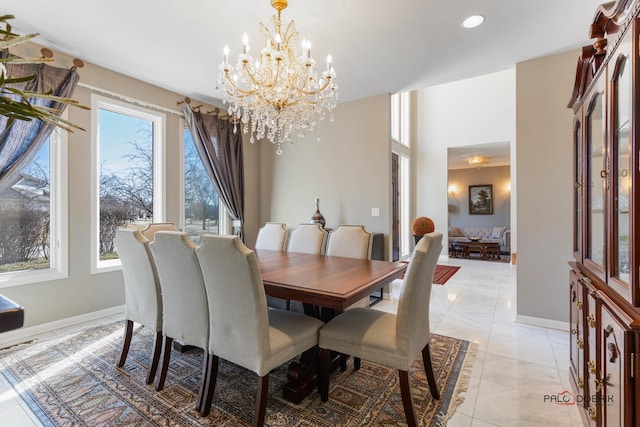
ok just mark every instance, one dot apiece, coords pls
pixel 20 143
pixel 220 148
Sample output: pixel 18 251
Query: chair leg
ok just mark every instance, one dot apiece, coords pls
pixel 128 332
pixel 262 396
pixel 428 370
pixel 155 358
pixel 324 368
pixel 356 363
pixel 210 386
pixel 343 362
pixel 407 401
pixel 203 381
pixel 166 355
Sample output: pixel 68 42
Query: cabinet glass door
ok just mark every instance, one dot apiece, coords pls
pixel 596 170
pixel 577 195
pixel 621 171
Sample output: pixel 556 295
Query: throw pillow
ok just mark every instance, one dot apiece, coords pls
pixel 497 232
pixel 456 232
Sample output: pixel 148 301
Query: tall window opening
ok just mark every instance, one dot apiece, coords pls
pixel 33 217
pixel 400 146
pixel 129 173
pixel 203 212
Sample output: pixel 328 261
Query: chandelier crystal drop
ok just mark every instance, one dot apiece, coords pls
pixel 278 94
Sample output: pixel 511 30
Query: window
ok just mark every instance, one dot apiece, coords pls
pixel 400 145
pixel 203 212
pixel 33 216
pixel 128 172
pixel 400 118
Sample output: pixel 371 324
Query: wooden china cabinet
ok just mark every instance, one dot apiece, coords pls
pixel 604 281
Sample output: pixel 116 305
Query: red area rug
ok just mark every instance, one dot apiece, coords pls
pixel 444 273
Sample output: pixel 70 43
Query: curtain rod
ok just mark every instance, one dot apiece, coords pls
pixel 130 100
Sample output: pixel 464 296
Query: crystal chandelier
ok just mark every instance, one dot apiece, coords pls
pixel 278 94
pixel 478 161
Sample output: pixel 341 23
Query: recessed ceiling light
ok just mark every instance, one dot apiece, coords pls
pixel 473 21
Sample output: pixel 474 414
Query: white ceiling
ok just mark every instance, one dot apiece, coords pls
pixel 378 46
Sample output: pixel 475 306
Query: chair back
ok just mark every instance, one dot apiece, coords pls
pixel 239 322
pixel 412 323
pixel 308 239
pixel 351 241
pixel 185 312
pixel 141 285
pixel 152 228
pixel 272 236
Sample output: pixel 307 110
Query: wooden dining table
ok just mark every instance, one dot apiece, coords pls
pixel 326 286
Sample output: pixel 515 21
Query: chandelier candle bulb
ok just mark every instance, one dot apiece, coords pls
pixel 328 62
pixel 225 51
pixel 245 43
pixel 278 41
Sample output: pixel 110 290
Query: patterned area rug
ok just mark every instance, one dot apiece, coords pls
pixel 73 380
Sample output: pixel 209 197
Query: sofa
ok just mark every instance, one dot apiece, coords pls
pixel 501 235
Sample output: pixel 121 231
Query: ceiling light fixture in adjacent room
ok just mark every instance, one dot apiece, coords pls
pixel 479 161
pixel 278 94
pixel 473 21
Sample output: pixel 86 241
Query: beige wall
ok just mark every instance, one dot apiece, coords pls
pixel 83 292
pixel 348 169
pixel 544 171
pixel 461 179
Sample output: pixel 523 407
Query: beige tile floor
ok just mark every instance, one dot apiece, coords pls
pixel 516 365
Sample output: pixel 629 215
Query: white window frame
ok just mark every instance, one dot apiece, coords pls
pixel 159 170
pixel 58 219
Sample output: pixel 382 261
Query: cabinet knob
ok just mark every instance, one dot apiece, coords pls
pixel 574 331
pixel 591 320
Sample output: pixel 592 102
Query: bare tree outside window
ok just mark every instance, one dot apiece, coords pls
pixel 25 217
pixel 126 176
pixel 202 208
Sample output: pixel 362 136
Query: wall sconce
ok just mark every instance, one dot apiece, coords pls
pixel 451 190
pixel 508 187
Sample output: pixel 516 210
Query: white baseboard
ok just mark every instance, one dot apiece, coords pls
pixel 546 323
pixel 18 336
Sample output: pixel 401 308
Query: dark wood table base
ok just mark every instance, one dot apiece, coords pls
pixel 485 250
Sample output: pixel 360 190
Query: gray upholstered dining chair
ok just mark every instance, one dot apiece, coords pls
pixel 351 241
pixel 242 330
pixel 308 239
pixel 272 236
pixel 151 229
pixel 143 301
pixel 394 340
pixel 185 313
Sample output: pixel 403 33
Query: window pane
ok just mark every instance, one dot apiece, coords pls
pixel 25 217
pixel 395 117
pixel 201 205
pixel 126 176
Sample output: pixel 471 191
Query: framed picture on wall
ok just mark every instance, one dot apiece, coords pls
pixel 481 199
